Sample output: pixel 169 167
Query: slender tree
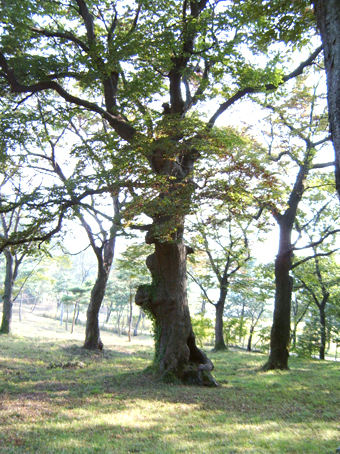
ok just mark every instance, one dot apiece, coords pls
pixel 304 127
pixel 317 274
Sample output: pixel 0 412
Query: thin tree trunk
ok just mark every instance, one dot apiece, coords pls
pixel 104 258
pixel 20 306
pixel 108 314
pixel 135 331
pixel 66 323
pixel 7 296
pixel 293 336
pixel 250 339
pixel 176 353
pixel 202 311
pixel 130 316
pixel 74 317
pixel 77 316
pixel 219 307
pixel 322 333
pixel 280 333
pixel 118 324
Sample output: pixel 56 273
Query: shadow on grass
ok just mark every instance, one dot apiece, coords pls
pixel 154 433
pixel 114 404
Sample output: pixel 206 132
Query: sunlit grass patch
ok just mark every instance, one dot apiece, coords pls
pixel 115 405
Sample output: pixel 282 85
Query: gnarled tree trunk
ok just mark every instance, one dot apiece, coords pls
pixel 176 353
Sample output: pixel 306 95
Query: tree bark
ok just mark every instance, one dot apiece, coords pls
pixel 250 339
pixel 327 15
pixel 280 333
pixel 176 353
pixel 219 307
pixel 7 296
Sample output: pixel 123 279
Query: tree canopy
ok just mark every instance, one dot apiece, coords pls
pixel 149 82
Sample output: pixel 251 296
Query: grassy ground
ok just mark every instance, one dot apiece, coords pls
pixel 107 403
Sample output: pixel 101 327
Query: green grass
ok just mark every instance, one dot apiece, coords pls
pixel 111 404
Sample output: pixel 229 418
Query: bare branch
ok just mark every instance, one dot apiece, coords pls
pixel 321 254
pixel 315 243
pixel 323 165
pixel 248 90
pixel 201 287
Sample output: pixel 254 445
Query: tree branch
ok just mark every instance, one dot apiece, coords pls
pixel 315 243
pixel 201 287
pixel 41 239
pixel 321 254
pixel 122 128
pixel 63 35
pixel 88 19
pixel 248 90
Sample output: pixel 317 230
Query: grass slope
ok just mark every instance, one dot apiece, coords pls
pixel 107 403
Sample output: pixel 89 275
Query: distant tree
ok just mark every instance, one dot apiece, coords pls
pixel 74 296
pixel 319 279
pixel 317 272
pixel 300 306
pixel 225 239
pixel 11 223
pixel 131 269
pixel 251 293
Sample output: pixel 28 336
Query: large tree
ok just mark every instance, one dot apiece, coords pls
pixel 123 61
pixel 328 19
